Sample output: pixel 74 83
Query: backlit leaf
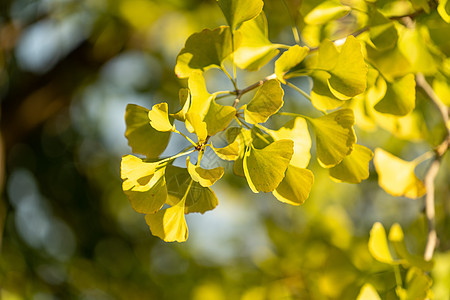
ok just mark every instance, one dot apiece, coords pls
pixel 321 96
pixel 159 117
pixel 169 224
pixel 444 10
pixel 382 32
pixel 238 11
pixel 289 59
pixel 204 50
pixel 142 138
pixel 297 131
pixel 368 292
pixel 199 127
pixel 229 152
pixel 185 102
pixel 205 177
pixel 390 62
pixel 418 284
pixel 144 184
pixel 255 49
pixel 264 168
pixel 218 117
pixel 295 187
pixel 355 167
pixel 326 12
pixel 334 136
pixel 396 176
pixel 378 245
pixel 266 102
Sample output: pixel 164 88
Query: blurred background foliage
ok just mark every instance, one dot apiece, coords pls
pixel 67 71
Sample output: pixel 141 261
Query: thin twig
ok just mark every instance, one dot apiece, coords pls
pixel 239 93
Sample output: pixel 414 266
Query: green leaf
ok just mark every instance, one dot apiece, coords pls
pixel 169 224
pixel 144 184
pixel 368 292
pixel 218 117
pixel 328 55
pixel 418 285
pixel 266 102
pixel 289 59
pixel 326 12
pixel 355 167
pixel 142 138
pixel 238 11
pixel 348 77
pixel 204 50
pixel 229 152
pixel 396 237
pixel 378 245
pixel 264 168
pixel 205 177
pixel 295 187
pixel 421 4
pixel 382 31
pixel 390 62
pixel 255 49
pixel 396 176
pixel 297 131
pixel 199 199
pixel 199 127
pixel 321 96
pixel 334 136
pixel 159 117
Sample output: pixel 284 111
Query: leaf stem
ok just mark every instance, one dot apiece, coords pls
pixel 229 76
pixel 298 90
pixel 293 24
pixel 423 157
pixel 186 137
pixel 176 156
pixel 398 277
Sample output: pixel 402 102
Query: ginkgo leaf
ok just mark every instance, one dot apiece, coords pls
pixel 400 97
pixel 418 285
pixel 238 11
pixel 297 131
pixel 335 136
pixel 328 55
pixel 289 59
pixel 204 50
pixel 321 96
pixel 378 245
pixel 199 127
pixel 142 138
pixel 229 152
pixel 198 199
pixel 396 237
pixel 185 102
pixel 396 176
pixel 295 187
pixel 348 77
pixel 368 292
pixel 382 31
pixel 264 168
pixel 144 184
pixel 159 117
pixel 255 49
pixel 218 117
pixel 169 224
pixel 205 177
pixel 200 98
pixel 444 10
pixel 354 167
pixel 390 62
pixel 266 102
pixel 326 12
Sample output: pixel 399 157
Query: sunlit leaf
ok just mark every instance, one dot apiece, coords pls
pixel 159 117
pixel 418 284
pixel 218 117
pixel 266 102
pixel 204 50
pixel 444 10
pixel 378 245
pixel 264 168
pixel 255 49
pixel 328 55
pixel 355 167
pixel 321 96
pixel 199 127
pixel 390 62
pixel 442 88
pixel 142 138
pixel 368 292
pixel 297 131
pixel 295 187
pixel 169 224
pixel 289 59
pixel 396 237
pixel 326 12
pixel 421 4
pixel 238 11
pixel 205 177
pixel 200 98
pixel 199 199
pixel 382 32
pixel 396 176
pixel 185 102
pixel 229 152
pixel 144 184
pixel 334 136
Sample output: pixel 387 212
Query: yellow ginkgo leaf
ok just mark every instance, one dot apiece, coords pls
pixel 230 152
pixel 368 292
pixel 354 167
pixel 205 177
pixel 295 187
pixel 159 117
pixel 396 176
pixel 378 245
pixel 198 125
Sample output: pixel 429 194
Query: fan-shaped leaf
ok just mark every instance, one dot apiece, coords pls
pixel 355 167
pixel 326 12
pixel 289 59
pixel 205 177
pixel 238 11
pixel 383 33
pixel 378 245
pixel 266 102
pixel 229 152
pixel 159 117
pixel 218 117
pixel 400 97
pixel 295 187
